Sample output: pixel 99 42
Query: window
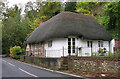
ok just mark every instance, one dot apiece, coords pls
pixel 100 43
pixel 35 46
pixel 73 41
pixel 30 46
pixel 69 45
pixel 49 43
pixel 89 43
pixel 39 45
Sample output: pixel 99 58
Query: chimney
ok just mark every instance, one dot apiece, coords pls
pixel 42 21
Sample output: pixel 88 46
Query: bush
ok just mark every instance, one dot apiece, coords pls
pixel 95 54
pixel 113 54
pixel 109 54
pixel 15 52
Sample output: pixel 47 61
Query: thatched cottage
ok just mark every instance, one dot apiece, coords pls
pixel 68 33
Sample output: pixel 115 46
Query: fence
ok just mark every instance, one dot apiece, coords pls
pixel 83 51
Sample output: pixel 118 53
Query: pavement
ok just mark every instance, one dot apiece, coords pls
pixel 13 68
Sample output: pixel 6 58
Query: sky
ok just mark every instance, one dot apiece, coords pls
pixel 20 3
pixel 13 2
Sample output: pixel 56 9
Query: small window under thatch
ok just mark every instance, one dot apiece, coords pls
pixel 50 43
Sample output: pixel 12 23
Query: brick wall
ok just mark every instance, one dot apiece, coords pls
pixel 117 43
pixel 117 46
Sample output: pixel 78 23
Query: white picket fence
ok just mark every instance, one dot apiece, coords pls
pixel 85 51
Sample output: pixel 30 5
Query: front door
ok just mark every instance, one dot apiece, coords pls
pixel 71 46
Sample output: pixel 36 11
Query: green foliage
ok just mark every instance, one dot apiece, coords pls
pixel 70 6
pixel 106 13
pixel 87 8
pixel 50 9
pixel 110 18
pixel 16 50
pixel 14 29
pixel 45 11
pixel 112 54
pixel 108 54
pixel 95 54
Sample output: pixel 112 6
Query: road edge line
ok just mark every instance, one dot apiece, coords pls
pixel 54 70
pixel 11 64
pixel 27 72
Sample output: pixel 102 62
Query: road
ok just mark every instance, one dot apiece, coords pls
pixel 13 68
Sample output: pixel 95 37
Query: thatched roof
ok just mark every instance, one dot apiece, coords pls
pixel 67 24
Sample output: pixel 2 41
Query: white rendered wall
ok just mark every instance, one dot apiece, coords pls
pixel 27 47
pixel 86 51
pixel 57 48
pixel 112 45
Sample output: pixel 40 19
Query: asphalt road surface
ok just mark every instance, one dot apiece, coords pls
pixel 13 68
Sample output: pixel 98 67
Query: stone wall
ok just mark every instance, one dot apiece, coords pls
pixel 53 63
pixel 102 65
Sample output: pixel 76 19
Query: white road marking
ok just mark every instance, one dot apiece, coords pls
pixel 4 61
pixel 11 64
pixel 53 70
pixel 28 73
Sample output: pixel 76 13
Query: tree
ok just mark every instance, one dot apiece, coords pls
pixel 70 6
pixel 46 11
pixel 50 9
pixel 110 18
pixel 89 8
pixel 14 29
pixel 106 13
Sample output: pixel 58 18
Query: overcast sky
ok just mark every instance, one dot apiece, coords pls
pixel 20 3
pixel 13 2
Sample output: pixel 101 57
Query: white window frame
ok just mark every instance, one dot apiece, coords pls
pixel 89 43
pixel 100 44
pixel 40 45
pixel 35 46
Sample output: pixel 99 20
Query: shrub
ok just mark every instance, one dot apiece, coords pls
pixel 11 52
pixel 15 52
pixel 110 54
pixel 95 54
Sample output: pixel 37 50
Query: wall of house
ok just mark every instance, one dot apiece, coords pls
pixel 112 45
pixel 57 48
pixel 86 51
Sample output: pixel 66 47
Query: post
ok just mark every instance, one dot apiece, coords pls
pixel 63 51
pixel 45 53
pixel 76 51
pixel 91 48
pixel 109 46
